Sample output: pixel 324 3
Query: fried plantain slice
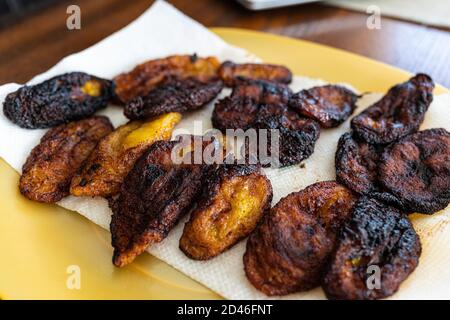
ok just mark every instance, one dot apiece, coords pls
pixel 288 252
pixel 297 136
pixel 330 105
pixel 49 168
pixel 233 201
pixel 357 164
pixel 357 168
pixel 156 193
pixel 234 113
pixel 262 104
pixel 232 73
pixel 416 169
pixel 399 113
pixel 61 99
pixel 241 108
pixel 148 75
pixel 175 96
pixel 376 236
pixel 105 169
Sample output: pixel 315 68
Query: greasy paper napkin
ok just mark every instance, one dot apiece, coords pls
pixel 162 31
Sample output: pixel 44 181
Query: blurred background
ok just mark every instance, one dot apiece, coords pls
pixel 413 35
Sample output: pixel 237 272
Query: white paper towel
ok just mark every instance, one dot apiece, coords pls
pixel 162 31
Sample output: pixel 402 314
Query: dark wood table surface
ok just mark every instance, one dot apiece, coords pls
pixel 35 43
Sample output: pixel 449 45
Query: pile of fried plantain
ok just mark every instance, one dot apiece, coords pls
pixel 324 234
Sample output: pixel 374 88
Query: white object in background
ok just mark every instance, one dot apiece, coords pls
pixel 435 13
pixel 268 4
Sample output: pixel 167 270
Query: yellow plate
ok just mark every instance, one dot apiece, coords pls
pixel 40 244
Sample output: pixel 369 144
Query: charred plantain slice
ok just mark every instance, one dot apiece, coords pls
pixel 156 193
pixel 399 113
pixel 49 168
pixel 241 109
pixel 148 75
pixel 176 96
pixel 416 170
pixel 288 252
pixel 234 200
pixel 232 73
pixel 376 236
pixel 64 98
pixel 297 135
pixel 262 104
pixel 357 164
pixel 357 167
pixel 104 171
pixel 330 105
pixel 234 113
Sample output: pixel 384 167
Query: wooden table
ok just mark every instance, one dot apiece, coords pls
pixel 39 41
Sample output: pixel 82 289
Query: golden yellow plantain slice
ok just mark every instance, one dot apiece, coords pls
pixel 234 200
pixel 116 154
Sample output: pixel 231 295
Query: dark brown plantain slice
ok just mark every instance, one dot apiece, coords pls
pixel 261 104
pixel 376 237
pixel 233 201
pixel 297 136
pixel 49 168
pixel 330 105
pixel 288 252
pixel 175 96
pixel 399 113
pixel 416 170
pixel 240 110
pixel 158 191
pixel 61 99
pixel 232 73
pixel 234 113
pixel 356 164
pixel 357 168
pixel 150 74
